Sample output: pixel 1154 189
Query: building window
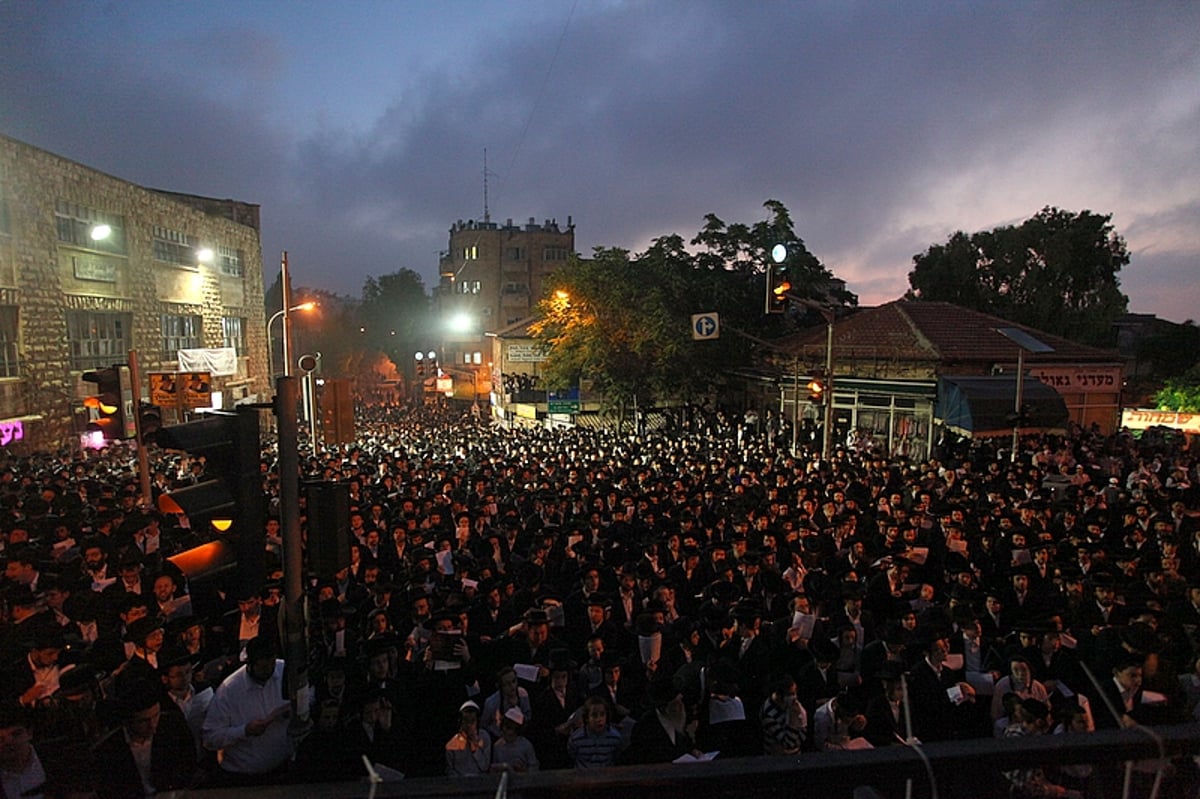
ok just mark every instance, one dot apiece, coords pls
pixel 174 247
pixel 472 358
pixel 233 333
pixel 98 339
pixel 9 365
pixel 180 332
pixel 554 254
pixel 514 253
pixel 471 253
pixel 515 288
pixel 229 261
pixel 81 226
pixel 469 286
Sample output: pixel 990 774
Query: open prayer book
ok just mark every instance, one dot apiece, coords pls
pixel 690 758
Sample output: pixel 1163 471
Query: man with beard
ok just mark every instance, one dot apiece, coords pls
pixel 247 721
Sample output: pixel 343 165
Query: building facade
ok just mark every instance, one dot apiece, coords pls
pixel 887 363
pixel 93 267
pixel 492 276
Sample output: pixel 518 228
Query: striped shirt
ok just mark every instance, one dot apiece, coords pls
pixel 589 750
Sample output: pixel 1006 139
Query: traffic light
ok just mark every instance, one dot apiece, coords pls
pixel 149 420
pixel 112 402
pixel 337 412
pixel 419 357
pixel 432 359
pixel 816 390
pixel 328 543
pixel 779 281
pixel 231 485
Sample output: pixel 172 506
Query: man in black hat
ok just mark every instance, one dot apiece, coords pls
pixel 152 751
pixel 129 577
pixel 146 635
pixel 661 734
pixel 554 712
pixel 35 677
pixel 939 701
pixel 26 617
pixel 817 681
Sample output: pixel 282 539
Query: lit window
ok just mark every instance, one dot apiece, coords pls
pixel 77 226
pixel 174 247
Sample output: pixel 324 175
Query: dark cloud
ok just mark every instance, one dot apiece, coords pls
pixel 882 128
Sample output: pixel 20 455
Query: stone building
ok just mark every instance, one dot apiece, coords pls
pixel 492 276
pixel 92 267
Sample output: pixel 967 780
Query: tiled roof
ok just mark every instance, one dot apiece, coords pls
pixel 938 331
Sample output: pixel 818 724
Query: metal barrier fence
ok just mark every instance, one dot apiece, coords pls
pixel 970 768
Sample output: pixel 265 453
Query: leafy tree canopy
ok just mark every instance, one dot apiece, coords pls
pixel 624 321
pixel 394 314
pixel 1181 393
pixel 1056 272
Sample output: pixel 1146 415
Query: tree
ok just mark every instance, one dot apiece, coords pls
pixel 1055 272
pixel 625 320
pixel 394 315
pixel 1172 350
pixel 1181 393
pixel 608 320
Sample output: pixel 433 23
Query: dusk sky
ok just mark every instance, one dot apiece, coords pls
pixel 360 127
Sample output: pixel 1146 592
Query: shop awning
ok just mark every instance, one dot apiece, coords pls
pixel 983 406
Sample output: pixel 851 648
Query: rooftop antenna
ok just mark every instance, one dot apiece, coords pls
pixel 486 215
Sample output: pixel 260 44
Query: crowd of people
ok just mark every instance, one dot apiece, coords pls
pixel 555 599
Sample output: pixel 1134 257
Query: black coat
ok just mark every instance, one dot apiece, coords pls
pixel 172 759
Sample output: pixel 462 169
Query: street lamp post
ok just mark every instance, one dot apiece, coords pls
pixel 304 306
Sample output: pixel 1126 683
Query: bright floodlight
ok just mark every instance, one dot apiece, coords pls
pixel 779 253
pixel 419 356
pixel 204 255
pixel 460 323
pixel 100 232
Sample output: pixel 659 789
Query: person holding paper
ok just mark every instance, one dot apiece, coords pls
pixel 662 734
pixel 247 720
pixel 934 693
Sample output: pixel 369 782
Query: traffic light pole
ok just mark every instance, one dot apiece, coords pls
pixel 295 646
pixel 135 380
pixel 828 314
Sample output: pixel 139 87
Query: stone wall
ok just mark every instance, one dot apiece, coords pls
pixel 45 278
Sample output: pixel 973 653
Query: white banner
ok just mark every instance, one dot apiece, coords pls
pixel 218 361
pixel 1141 418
